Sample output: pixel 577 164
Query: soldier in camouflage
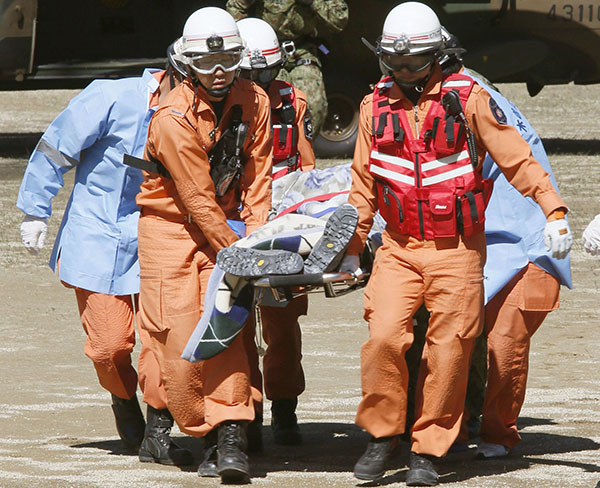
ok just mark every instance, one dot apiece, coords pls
pixel 300 21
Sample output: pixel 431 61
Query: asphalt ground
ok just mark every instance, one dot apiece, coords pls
pixel 56 425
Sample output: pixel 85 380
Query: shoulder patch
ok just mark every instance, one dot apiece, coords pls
pixel 308 125
pixel 497 112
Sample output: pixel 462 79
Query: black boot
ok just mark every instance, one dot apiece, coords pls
pixel 254 435
pixel 371 465
pixel 421 471
pixel 232 461
pixel 157 446
pixel 329 249
pixel 285 423
pixel 208 466
pixel 130 422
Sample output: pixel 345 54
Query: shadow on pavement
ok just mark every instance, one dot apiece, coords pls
pixel 115 447
pixel 463 466
pixel 335 447
pixel 524 422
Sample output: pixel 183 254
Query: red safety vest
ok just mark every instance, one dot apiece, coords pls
pixel 427 186
pixel 286 157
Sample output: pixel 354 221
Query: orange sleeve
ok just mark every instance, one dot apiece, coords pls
pixel 511 152
pixel 305 147
pixel 256 181
pixel 174 142
pixel 363 191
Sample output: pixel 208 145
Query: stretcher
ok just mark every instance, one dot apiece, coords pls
pixel 286 287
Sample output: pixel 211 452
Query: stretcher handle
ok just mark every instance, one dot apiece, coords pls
pixel 296 280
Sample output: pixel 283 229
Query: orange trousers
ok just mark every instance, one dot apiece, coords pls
pixel 282 363
pixel 511 319
pixel 175 264
pixel 108 321
pixel 445 274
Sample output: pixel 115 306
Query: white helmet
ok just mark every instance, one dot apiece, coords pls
pixel 210 40
pixel 208 30
pixel 261 41
pixel 410 28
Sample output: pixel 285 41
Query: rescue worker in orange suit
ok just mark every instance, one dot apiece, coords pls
pixel 185 206
pixel 421 143
pixel 292 151
pixel 95 251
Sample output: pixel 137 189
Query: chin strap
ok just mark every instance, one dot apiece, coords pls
pixel 220 93
pixel 417 85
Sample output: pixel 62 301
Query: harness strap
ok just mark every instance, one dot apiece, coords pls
pixel 434 127
pixel 382 123
pixel 450 129
pixel 153 165
pixel 398 131
pixel 283 134
pixel 472 206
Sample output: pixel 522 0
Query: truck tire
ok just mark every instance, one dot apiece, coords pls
pixel 338 134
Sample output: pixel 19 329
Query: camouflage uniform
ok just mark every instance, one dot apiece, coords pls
pixel 301 21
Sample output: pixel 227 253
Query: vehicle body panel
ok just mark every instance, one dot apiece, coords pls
pixel 68 43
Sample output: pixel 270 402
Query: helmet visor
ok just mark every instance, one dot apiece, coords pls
pixel 208 63
pixel 414 64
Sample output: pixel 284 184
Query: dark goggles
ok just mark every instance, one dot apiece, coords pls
pixel 262 76
pixel 414 64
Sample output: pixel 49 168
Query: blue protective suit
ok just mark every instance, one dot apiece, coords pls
pixel 97 239
pixel 514 224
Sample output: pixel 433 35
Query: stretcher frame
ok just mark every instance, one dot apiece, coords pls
pixel 287 287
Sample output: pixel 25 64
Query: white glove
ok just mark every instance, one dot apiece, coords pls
pixel 33 233
pixel 591 236
pixel 558 238
pixel 350 264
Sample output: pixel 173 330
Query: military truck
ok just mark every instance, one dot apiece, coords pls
pixel 68 43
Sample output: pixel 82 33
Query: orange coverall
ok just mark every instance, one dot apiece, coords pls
pixel 282 366
pixel 511 319
pixel 445 273
pixel 182 227
pixel 108 321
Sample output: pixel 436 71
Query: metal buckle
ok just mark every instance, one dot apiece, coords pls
pixel 304 61
pixel 188 218
pixel 288 48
